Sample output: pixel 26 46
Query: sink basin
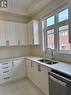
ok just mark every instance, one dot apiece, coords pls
pixel 46 61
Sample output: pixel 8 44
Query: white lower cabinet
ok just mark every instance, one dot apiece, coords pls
pixel 5 71
pixel 18 69
pixel 42 78
pixel 38 74
pixel 12 70
pixel 29 69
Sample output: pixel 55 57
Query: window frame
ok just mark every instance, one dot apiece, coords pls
pixel 56 26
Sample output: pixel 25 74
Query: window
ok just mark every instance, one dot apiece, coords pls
pixel 64 38
pixel 63 15
pixel 50 21
pixel 50 38
pixel 57 30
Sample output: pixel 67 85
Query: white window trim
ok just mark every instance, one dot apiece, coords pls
pixel 63 23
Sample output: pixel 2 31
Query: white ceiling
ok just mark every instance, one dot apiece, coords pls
pixel 20 4
pixel 25 7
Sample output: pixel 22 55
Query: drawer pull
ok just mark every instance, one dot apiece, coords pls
pixel 4 63
pixel 5 67
pixel 6 72
pixel 6 78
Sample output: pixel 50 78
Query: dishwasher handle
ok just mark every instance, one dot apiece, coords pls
pixel 60 76
pixel 57 80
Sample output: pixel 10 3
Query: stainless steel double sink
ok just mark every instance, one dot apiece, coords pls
pixel 46 61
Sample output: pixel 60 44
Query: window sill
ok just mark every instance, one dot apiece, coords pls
pixel 62 52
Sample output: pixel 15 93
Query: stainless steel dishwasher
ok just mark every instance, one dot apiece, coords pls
pixel 59 83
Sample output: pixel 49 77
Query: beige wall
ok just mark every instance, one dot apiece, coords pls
pixel 37 50
pixel 11 52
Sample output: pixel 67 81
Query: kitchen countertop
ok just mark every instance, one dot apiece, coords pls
pixel 60 66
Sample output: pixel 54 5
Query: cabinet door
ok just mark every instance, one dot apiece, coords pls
pixel 18 69
pixel 2 33
pixel 29 69
pixel 17 29
pixel 42 78
pixel 12 34
pixel 23 34
pixel 33 33
pixel 39 75
pixel 7 33
pixel 30 33
pixel 36 32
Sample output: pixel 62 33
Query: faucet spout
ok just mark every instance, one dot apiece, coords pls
pixel 51 53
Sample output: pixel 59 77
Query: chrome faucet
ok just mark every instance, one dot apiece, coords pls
pixel 51 53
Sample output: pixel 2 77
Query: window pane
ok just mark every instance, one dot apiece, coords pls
pixel 64 38
pixel 50 39
pixel 50 21
pixel 63 15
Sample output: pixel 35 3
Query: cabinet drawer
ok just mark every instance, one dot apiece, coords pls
pixel 5 72
pixel 4 79
pixel 5 65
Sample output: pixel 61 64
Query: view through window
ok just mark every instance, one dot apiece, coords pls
pixel 64 38
pixel 50 39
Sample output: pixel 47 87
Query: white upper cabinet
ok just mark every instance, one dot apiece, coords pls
pixel 18 33
pixel 17 29
pixel 30 34
pixel 36 32
pixel 21 36
pixel 33 33
pixel 12 33
pixel 7 33
pixel 2 33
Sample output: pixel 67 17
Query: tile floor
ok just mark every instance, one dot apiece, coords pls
pixel 21 87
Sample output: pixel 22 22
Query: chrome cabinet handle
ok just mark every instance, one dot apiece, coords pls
pixel 6 78
pixel 4 63
pixel 5 67
pixel 59 76
pixel 57 80
pixel 5 71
